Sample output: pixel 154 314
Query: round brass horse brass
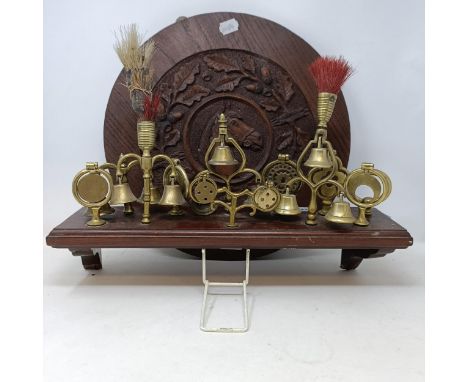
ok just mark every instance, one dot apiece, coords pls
pixel 204 191
pixel 92 188
pixel 266 198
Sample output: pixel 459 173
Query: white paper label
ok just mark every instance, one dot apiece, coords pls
pixel 228 26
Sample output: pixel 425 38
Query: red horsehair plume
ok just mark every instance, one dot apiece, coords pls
pixel 151 107
pixel 330 73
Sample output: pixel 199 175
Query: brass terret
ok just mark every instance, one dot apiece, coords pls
pixel 376 180
pixel 92 188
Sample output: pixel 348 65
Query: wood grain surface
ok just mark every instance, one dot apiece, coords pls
pixel 192 231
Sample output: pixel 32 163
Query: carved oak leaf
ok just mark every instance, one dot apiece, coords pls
pixel 185 76
pixel 248 63
pixel 194 94
pixel 285 86
pixel 172 138
pixel 228 84
pixel 220 63
pixel 269 104
pixel 285 140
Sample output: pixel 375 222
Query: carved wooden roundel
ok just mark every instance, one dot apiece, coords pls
pixel 256 75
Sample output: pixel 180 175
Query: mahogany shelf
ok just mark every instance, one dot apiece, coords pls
pixel 263 231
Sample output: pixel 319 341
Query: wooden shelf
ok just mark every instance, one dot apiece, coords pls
pixel 264 231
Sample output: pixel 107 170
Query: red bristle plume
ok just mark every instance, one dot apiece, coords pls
pixel 330 73
pixel 150 107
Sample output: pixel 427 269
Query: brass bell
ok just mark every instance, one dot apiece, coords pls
pixel 172 195
pixel 340 212
pixel 318 158
pixel 155 195
pixel 288 204
pixel 122 194
pixel 222 156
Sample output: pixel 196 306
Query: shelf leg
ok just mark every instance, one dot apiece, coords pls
pixel 351 258
pixel 90 257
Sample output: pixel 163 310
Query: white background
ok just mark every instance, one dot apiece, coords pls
pixel 137 319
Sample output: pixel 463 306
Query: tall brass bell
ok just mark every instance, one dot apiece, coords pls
pixel 288 204
pixel 222 156
pixel 318 158
pixel 340 212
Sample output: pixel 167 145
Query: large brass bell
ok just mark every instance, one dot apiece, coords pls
pixel 318 158
pixel 222 156
pixel 340 212
pixel 288 204
pixel 172 196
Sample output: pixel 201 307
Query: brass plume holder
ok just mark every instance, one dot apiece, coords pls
pixel 328 179
pixel 324 164
pixel 172 195
pixel 222 166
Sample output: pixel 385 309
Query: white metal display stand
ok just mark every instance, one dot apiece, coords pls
pixel 208 283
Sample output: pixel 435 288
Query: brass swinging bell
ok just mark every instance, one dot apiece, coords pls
pixel 288 204
pixel 319 157
pixel 122 194
pixel 222 156
pixel 172 196
pixel 340 212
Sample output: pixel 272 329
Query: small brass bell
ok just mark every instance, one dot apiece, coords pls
pixel 318 158
pixel 122 194
pixel 172 196
pixel 222 156
pixel 288 204
pixel 340 212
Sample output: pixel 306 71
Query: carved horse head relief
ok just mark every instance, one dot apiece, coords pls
pixel 244 134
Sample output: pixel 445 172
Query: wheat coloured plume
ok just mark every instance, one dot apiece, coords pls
pixel 135 57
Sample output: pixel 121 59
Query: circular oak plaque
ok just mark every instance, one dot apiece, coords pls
pixel 256 73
